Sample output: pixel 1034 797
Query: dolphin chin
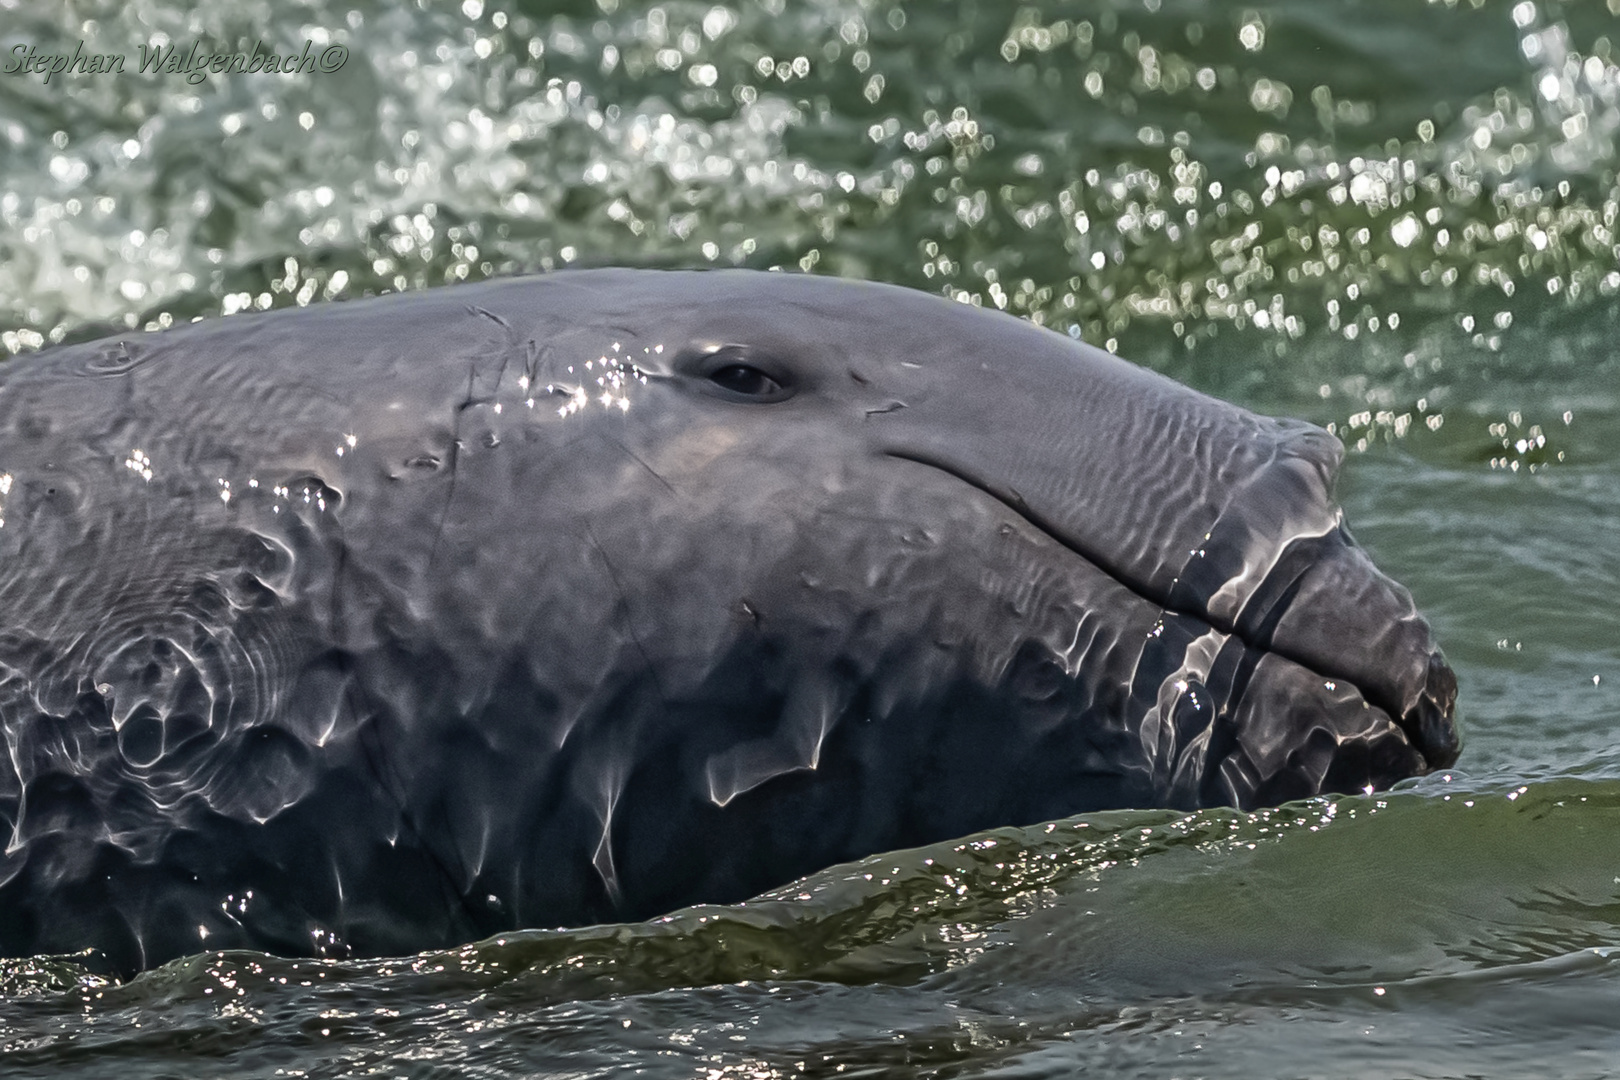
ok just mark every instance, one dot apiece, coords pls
pixel 385 625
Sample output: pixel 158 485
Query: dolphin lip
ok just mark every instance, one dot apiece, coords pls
pixel 1422 703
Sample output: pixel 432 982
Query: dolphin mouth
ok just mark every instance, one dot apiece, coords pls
pixel 1395 669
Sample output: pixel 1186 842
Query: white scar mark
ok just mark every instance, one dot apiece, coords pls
pixel 602 859
pixel 794 747
pixel 16 842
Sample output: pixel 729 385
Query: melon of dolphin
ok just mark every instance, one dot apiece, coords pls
pixel 384 625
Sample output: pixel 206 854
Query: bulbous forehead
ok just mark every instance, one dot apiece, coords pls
pixel 817 320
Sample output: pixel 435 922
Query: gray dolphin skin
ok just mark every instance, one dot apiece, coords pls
pixel 384 625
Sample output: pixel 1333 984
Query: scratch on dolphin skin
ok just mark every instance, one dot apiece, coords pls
pixel 506 353
pixel 473 309
pixel 449 500
pixel 454 462
pixel 629 622
pixel 531 364
pixel 893 406
pixel 469 399
pixel 637 458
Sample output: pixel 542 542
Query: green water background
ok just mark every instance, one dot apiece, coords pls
pixel 1395 219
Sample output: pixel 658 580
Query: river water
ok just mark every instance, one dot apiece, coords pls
pixel 1395 219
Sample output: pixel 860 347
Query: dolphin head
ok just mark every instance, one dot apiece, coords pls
pixel 592 595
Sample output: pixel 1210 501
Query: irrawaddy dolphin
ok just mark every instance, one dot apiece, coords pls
pixel 384 625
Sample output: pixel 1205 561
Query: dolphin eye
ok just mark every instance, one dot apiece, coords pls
pixel 738 373
pixel 745 379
